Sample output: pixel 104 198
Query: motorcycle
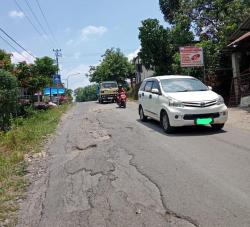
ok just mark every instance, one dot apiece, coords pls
pixel 121 99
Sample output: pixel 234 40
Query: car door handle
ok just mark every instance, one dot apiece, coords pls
pixel 142 94
pixel 150 96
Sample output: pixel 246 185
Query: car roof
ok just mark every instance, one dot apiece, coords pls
pixel 163 77
pixel 108 82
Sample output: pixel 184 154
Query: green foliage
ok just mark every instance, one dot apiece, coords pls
pixel 35 76
pixel 26 136
pixel 114 67
pixel 86 94
pixel 45 66
pixel 5 61
pixel 159 46
pixel 211 21
pixel 156 50
pixel 8 98
pixel 69 93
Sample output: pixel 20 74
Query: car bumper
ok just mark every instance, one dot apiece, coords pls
pixel 108 97
pixel 187 116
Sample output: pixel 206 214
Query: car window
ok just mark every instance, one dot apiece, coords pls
pixel 156 85
pixel 109 85
pixel 148 86
pixel 183 85
pixel 142 86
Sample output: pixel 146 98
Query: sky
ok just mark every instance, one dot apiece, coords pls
pixel 82 29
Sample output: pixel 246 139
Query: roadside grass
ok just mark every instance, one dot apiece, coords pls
pixel 26 136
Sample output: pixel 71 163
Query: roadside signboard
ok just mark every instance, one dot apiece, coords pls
pixel 191 56
pixel 53 91
pixel 57 79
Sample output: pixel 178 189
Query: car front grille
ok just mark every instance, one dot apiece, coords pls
pixel 195 116
pixel 200 104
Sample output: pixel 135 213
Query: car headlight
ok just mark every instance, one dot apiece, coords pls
pixel 220 100
pixel 175 103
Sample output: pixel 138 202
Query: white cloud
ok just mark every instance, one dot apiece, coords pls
pixel 16 57
pixel 76 81
pixel 133 54
pixel 69 42
pixel 91 31
pixel 16 14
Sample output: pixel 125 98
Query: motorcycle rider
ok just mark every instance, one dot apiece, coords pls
pixel 121 91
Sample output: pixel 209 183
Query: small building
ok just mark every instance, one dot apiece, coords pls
pixel 141 71
pixel 239 48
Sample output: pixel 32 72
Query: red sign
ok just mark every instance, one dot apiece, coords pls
pixel 191 56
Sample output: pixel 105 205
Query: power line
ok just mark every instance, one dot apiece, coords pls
pixel 34 15
pixel 29 20
pixel 46 21
pixel 16 43
pixel 6 41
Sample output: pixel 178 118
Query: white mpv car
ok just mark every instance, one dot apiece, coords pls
pixel 181 101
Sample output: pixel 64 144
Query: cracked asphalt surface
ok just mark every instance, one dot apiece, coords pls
pixel 105 168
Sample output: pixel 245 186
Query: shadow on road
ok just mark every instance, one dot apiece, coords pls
pixel 181 131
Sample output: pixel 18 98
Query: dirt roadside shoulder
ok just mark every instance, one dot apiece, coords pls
pixel 239 118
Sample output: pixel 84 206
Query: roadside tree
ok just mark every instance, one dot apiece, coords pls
pixel 86 94
pixel 114 67
pixel 211 21
pixel 5 61
pixel 8 98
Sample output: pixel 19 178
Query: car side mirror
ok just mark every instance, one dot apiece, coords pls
pixel 155 91
pixel 210 88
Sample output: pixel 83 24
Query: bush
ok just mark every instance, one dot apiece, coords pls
pixel 133 93
pixel 8 98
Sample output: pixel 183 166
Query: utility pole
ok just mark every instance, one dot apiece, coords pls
pixel 57 55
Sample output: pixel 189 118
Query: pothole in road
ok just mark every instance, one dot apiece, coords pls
pixel 86 147
pixel 100 135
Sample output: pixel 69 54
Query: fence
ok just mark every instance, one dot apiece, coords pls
pixel 240 87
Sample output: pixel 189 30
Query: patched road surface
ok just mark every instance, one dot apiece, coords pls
pixel 105 168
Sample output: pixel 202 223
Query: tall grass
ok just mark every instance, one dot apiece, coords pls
pixel 26 136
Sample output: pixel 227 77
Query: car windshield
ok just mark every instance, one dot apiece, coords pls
pixel 109 85
pixel 182 85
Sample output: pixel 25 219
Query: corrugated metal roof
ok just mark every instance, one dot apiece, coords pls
pixel 243 29
pixel 240 39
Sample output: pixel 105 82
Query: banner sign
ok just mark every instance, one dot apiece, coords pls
pixel 53 91
pixel 57 79
pixel 191 56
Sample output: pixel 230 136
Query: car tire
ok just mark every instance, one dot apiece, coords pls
pixel 167 128
pixel 217 127
pixel 141 114
pixel 124 105
pixel 101 101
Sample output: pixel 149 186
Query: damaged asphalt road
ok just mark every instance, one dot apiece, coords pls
pixel 105 168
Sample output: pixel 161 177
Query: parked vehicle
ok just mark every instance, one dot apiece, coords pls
pixel 107 91
pixel 121 99
pixel 178 101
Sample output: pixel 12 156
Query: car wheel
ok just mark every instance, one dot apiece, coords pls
pixel 124 105
pixel 101 101
pixel 217 127
pixel 165 123
pixel 142 116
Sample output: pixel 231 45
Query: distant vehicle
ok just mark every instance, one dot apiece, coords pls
pixel 122 99
pixel 178 101
pixel 107 91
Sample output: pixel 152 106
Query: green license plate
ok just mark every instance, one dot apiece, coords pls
pixel 204 121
